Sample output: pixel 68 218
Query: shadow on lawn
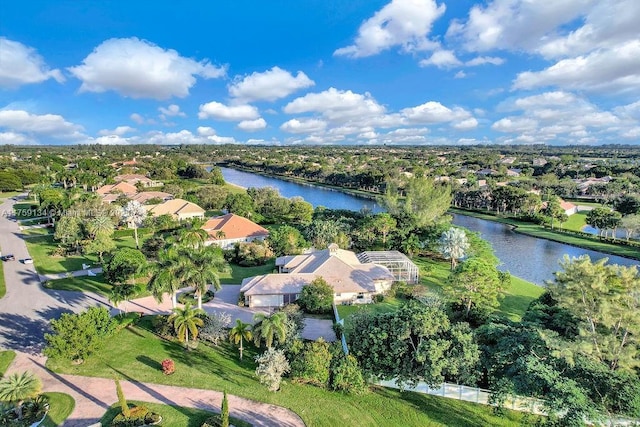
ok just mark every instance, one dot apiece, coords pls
pixel 153 364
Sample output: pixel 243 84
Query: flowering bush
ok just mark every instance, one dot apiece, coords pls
pixel 168 366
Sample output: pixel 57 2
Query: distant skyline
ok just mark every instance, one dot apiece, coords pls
pixel 364 72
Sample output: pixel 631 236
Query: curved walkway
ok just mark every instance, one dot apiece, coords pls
pixel 94 396
pixel 25 313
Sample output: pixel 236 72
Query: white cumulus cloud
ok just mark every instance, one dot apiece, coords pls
pixel 140 69
pixel 304 126
pixel 172 110
pixel 42 126
pixel 442 59
pixel 20 65
pixel 219 111
pixel 252 125
pixel 120 130
pixel 336 105
pixel 270 85
pixel 403 23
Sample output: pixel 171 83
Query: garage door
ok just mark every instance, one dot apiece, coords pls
pixel 266 300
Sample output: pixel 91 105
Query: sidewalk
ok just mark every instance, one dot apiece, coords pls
pixel 77 273
pixel 94 396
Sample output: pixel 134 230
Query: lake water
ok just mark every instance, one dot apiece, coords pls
pixel 527 257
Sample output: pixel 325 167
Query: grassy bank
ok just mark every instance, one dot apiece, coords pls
pixel 3 285
pixel 61 406
pixel 6 358
pixel 174 416
pixel 536 230
pixel 134 353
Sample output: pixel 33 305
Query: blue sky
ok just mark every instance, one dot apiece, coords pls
pixel 320 72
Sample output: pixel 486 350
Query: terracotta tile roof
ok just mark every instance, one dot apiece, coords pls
pixel 567 205
pixel 234 227
pixel 175 207
pixel 121 187
pixel 145 196
pixel 131 177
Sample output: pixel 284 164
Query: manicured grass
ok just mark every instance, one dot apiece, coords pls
pixel 61 406
pixel 3 285
pixel 576 221
pixel 41 250
pixel 386 306
pixel 39 231
pixel 238 272
pixel 518 297
pixel 174 416
pixel 8 194
pixel 96 284
pixel 6 357
pixel 134 353
pixel 535 230
pixel 26 210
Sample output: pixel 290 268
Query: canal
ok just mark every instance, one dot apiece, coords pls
pixel 524 256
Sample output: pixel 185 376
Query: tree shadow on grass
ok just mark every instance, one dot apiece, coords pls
pixel 153 364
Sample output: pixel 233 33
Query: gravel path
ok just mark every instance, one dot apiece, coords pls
pixel 25 313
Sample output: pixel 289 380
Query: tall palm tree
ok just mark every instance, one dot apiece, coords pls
pixel 185 320
pixel 133 214
pixel 167 273
pixel 192 237
pixel 266 328
pixel 100 224
pixel 239 333
pixel 204 266
pixel 19 387
pixel 453 244
pixel 122 293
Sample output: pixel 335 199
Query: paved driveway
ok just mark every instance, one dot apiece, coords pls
pixel 27 309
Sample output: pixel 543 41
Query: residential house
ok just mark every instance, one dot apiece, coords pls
pixel 514 172
pixel 134 178
pixel 144 196
pixel 569 208
pixel 179 209
pixel 352 280
pixel 111 192
pixel 227 230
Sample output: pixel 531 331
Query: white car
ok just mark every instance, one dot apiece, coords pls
pixel 27 261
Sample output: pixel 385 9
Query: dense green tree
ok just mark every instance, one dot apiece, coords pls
pixel 628 204
pixel 425 201
pixel 312 363
pixel 300 212
pixel 631 225
pixel 69 231
pixel 606 301
pixel 77 336
pixel 240 204
pixel 414 344
pixel 476 282
pixel 554 211
pixel 166 275
pixel 201 270
pixel 215 176
pixel 125 265
pixel 316 297
pixel 100 244
pixel 122 293
pixel 9 182
pixel 346 375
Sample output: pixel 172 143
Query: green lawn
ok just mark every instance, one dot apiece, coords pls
pixel 96 284
pixel 7 194
pixel 238 272
pixel 535 230
pixel 576 221
pixel 33 232
pixel 26 210
pixel 134 353
pixel 174 416
pixel 518 297
pixel 61 406
pixel 386 306
pixel 6 357
pixel 41 250
pixel 3 286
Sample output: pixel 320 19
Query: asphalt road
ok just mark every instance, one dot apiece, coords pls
pixel 27 309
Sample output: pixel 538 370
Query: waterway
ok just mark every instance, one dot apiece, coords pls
pixel 524 256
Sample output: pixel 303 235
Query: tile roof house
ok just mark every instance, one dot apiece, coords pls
pixel 179 209
pixel 227 230
pixel 352 281
pixel 134 178
pixel 145 196
pixel 121 187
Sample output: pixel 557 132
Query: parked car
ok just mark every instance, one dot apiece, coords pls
pixel 27 261
pixel 7 258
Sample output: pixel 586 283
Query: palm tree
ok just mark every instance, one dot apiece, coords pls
pixel 100 224
pixel 192 238
pixel 204 266
pixel 266 328
pixel 239 332
pixel 19 387
pixel 453 244
pixel 122 293
pixel 133 214
pixel 186 320
pixel 167 274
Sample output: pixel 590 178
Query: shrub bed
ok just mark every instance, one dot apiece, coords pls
pixel 138 416
pixel 191 298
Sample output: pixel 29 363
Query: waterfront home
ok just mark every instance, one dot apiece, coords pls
pixel 227 230
pixel 119 188
pixel 179 209
pixel 353 281
pixel 135 178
